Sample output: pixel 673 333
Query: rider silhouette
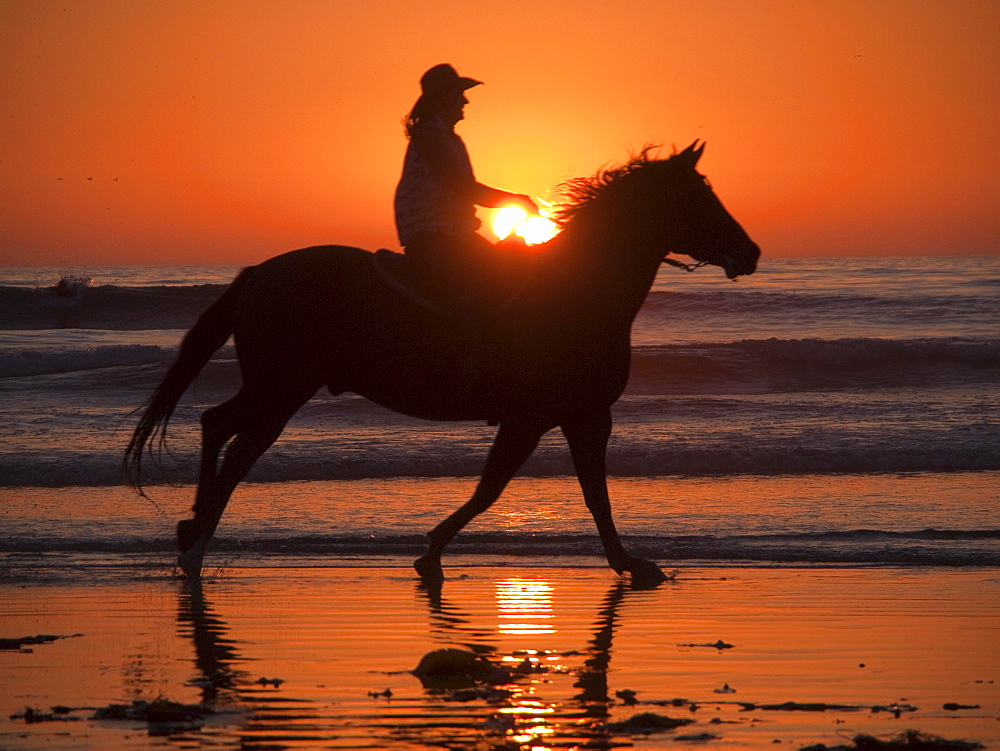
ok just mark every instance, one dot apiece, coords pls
pixel 437 194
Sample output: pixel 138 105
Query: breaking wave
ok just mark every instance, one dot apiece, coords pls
pixel 107 307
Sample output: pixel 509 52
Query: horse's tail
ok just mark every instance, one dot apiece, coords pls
pixel 209 333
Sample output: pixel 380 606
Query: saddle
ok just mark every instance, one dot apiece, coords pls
pixel 395 271
pixel 481 357
pixel 436 288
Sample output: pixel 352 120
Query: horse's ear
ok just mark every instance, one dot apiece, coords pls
pixel 696 151
pixel 692 154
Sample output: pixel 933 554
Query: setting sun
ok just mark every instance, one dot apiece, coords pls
pixel 532 229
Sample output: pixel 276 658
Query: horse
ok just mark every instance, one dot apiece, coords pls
pixel 323 317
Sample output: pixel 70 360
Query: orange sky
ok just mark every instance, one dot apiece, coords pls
pixel 227 131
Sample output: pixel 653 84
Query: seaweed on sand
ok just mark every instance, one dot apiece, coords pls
pixel 645 723
pixel 163 716
pixel 452 668
pixel 908 740
pixel 19 643
pixel 30 715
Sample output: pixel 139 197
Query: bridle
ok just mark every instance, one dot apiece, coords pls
pixel 726 264
pixel 685 266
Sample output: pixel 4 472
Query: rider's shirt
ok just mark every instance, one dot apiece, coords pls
pixel 433 194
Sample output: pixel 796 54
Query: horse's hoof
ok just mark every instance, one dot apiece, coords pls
pixel 190 561
pixel 429 568
pixel 645 574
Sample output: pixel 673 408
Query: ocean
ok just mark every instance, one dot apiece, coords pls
pixel 820 412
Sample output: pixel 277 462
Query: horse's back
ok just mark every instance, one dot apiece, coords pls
pixel 318 262
pixel 298 277
pixel 291 305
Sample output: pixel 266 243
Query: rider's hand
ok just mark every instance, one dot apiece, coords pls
pixel 526 203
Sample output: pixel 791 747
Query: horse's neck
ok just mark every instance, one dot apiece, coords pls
pixel 606 270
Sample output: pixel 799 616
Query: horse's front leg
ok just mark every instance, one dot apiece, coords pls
pixel 588 443
pixel 513 445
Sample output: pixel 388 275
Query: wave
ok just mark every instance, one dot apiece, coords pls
pixel 382 454
pixel 781 303
pixel 20 362
pixel 929 547
pixel 28 362
pixel 114 307
pixel 107 307
pixel 746 366
pixel 768 365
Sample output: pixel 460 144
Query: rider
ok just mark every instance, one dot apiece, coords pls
pixel 438 191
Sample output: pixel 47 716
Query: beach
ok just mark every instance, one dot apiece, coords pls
pixel 237 237
pixel 323 657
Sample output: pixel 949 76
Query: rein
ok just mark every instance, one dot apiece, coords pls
pixel 685 266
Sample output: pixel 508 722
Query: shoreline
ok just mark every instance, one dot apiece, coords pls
pixel 825 520
pixel 882 649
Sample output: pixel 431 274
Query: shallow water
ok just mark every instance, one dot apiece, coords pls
pixel 870 519
pixel 861 637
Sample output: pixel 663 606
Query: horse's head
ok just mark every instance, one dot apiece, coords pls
pixel 666 206
pixel 699 225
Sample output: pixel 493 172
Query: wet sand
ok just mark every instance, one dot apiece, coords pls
pixel 575 642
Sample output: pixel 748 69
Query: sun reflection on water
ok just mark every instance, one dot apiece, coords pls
pixel 524 607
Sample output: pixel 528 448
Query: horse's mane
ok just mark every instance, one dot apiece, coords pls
pixel 578 194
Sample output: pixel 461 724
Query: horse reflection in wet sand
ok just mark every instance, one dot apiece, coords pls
pixel 323 316
pixel 580 720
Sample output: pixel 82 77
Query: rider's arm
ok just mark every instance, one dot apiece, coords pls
pixel 451 166
pixel 484 195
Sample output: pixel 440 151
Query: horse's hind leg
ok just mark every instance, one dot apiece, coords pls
pixel 511 448
pixel 256 419
pixel 218 425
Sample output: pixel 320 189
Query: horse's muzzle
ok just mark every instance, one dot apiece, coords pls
pixel 742 265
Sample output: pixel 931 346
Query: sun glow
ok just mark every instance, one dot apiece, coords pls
pixel 532 229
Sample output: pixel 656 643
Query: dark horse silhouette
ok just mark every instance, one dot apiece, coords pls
pixel 322 316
